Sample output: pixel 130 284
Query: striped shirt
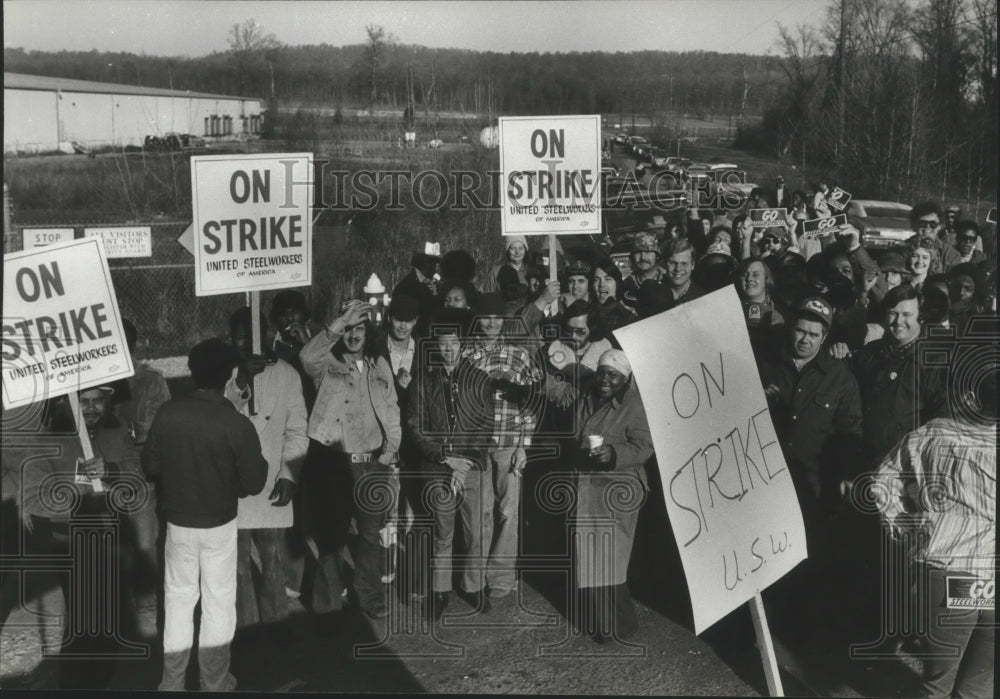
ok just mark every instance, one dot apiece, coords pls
pixel 940 482
pixel 512 425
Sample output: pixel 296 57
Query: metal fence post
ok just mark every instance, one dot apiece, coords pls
pixel 10 242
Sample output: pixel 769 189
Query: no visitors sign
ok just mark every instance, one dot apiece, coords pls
pixel 124 241
pixel 62 331
pixel 551 175
pixel 252 223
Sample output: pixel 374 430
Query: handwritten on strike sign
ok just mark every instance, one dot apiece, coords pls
pixel 768 218
pixel 824 226
pixel 728 492
pixel 62 331
pixel 551 174
pixel 252 223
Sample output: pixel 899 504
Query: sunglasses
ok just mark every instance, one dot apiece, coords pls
pixel 928 223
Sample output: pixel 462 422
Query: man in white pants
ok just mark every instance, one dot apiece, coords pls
pixel 206 456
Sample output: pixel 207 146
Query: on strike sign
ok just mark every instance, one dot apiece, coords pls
pixel 551 174
pixel 727 488
pixel 252 223
pixel 62 331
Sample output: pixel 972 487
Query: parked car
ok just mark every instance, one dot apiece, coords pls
pixel 675 164
pixel 712 170
pixel 609 169
pixel 174 142
pixel 635 143
pixel 621 138
pixel 615 187
pixel 642 150
pixel 883 224
pixel 656 156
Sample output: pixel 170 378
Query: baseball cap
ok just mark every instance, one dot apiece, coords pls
pixel 817 309
pixel 645 242
pixel 577 268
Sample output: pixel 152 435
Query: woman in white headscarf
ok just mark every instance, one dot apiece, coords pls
pixel 614 443
pixel 515 263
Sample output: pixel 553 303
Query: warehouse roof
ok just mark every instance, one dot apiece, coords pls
pixel 21 81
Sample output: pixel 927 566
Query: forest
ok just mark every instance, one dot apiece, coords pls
pixel 646 82
pixel 892 97
pixel 899 99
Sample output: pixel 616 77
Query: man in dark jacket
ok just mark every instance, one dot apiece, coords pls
pixel 899 393
pixel 421 282
pixel 816 409
pixel 450 420
pixel 206 456
pixel 399 349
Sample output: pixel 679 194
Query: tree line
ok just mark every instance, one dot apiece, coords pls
pixel 896 99
pixel 646 83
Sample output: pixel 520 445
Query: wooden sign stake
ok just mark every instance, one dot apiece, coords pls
pixel 553 270
pixel 255 330
pixel 81 432
pixel 766 646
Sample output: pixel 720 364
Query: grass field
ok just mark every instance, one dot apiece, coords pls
pixel 138 188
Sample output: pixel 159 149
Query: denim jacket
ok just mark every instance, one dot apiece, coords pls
pixel 336 423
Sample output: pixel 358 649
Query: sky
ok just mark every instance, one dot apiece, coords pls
pixel 195 28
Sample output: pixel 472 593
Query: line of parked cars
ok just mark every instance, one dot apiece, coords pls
pixel 883 224
pixel 174 142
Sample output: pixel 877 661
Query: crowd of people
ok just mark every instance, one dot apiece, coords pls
pixel 339 464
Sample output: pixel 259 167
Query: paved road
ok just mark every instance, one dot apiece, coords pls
pixel 523 645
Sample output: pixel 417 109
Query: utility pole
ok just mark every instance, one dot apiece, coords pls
pixel 632 100
pixel 621 107
pixel 841 85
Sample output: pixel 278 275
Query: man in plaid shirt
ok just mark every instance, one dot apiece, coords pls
pixel 515 380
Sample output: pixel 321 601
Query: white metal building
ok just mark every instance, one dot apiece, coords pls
pixel 48 114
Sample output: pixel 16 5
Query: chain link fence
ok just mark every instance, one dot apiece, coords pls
pixel 157 293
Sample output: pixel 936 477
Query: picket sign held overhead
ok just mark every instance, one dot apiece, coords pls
pixel 62 331
pixel 727 488
pixel 824 226
pixel 252 222
pixel 551 169
pixel 838 198
pixel 551 178
pixel 768 218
